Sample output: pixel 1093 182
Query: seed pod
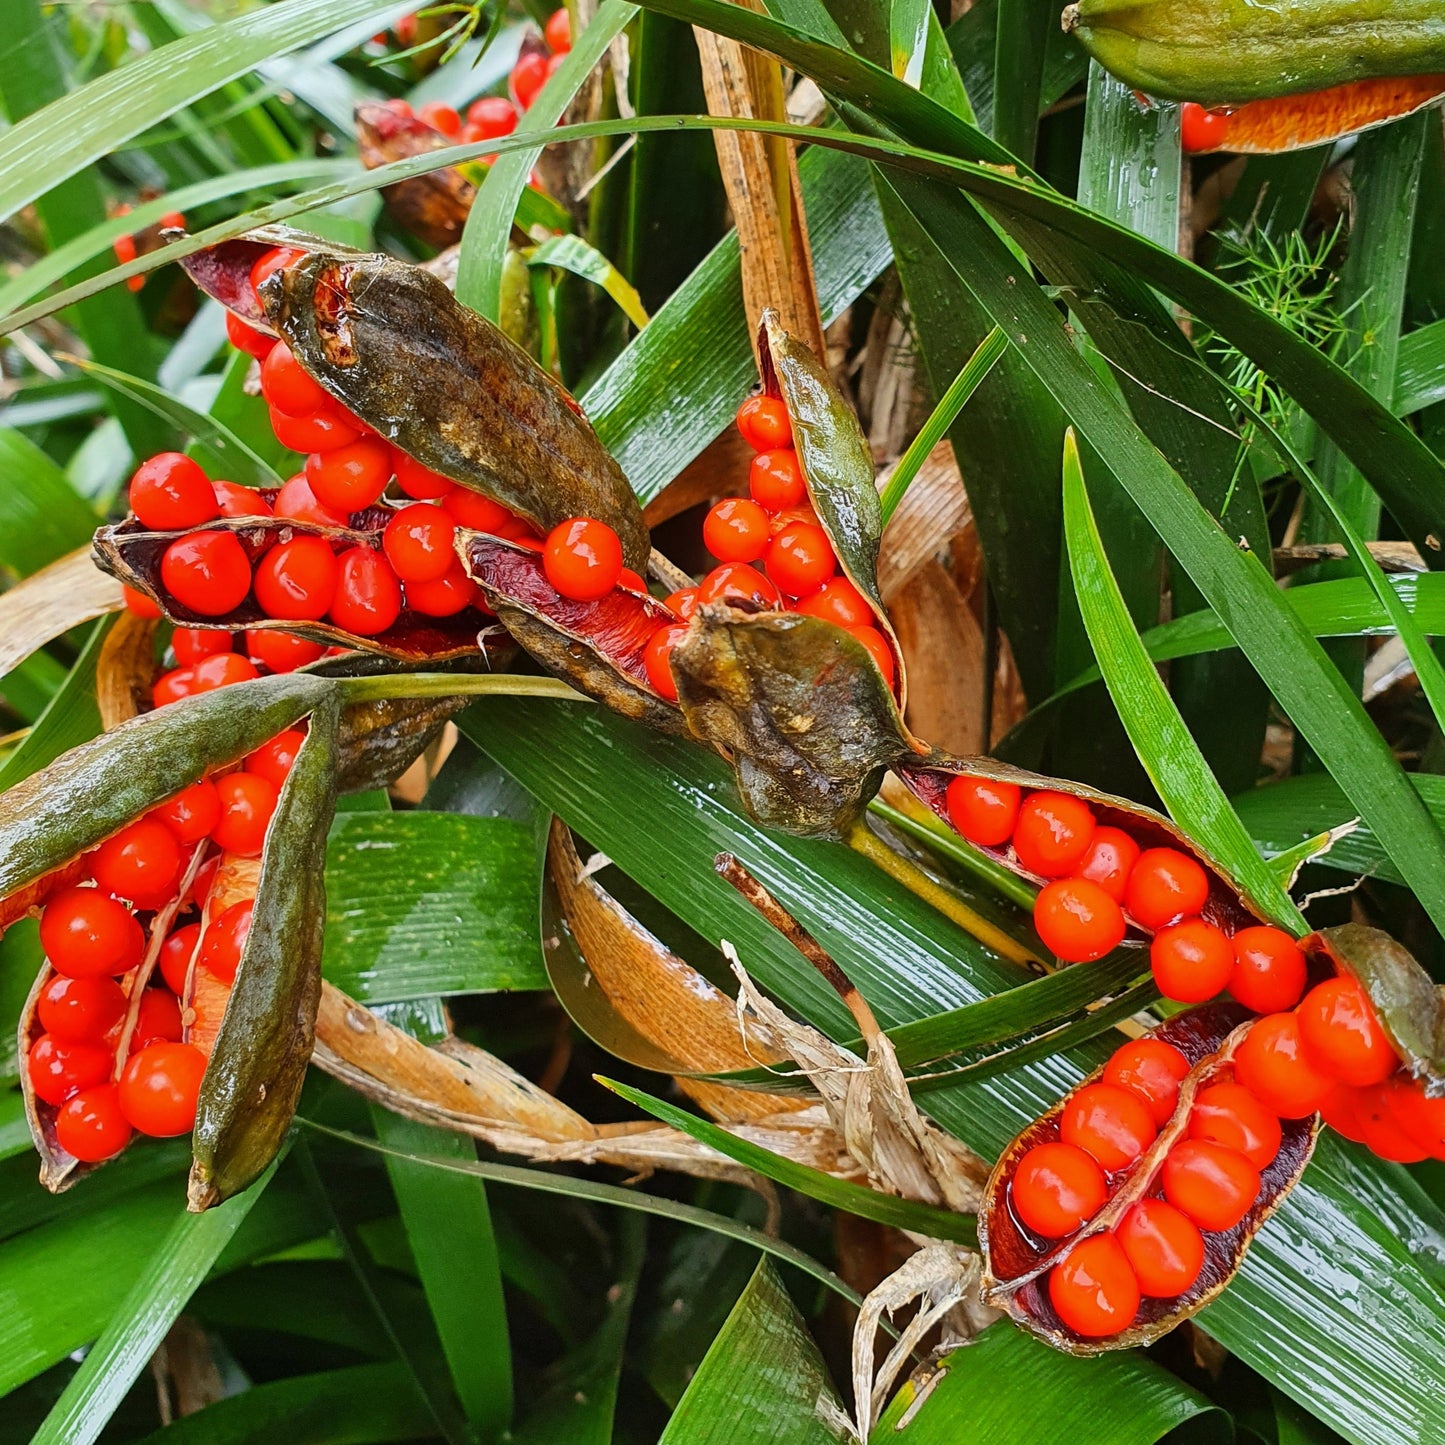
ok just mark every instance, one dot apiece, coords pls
pixel 434 205
pixel 130 553
pixel 1409 1004
pixel 394 346
pixel 1222 51
pixel 223 271
pixel 1018 1261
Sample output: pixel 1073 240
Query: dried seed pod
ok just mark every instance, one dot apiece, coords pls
pixel 1018 1261
pixel 434 205
pixel 132 554
pixel 1408 1003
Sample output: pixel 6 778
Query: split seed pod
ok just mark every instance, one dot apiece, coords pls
pixel 434 205
pixel 1017 1262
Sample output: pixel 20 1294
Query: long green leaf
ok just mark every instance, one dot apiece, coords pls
pixel 1170 756
pixel 70 133
pixel 762 1381
pixel 41 516
pixel 837 1193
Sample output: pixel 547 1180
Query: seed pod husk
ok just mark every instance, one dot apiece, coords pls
pixel 223 271
pixel 434 205
pixel 1221 51
pixel 1409 1004
pixel 1016 1264
pixel 596 646
pixel 394 346
pixel 258 1064
pixel 133 555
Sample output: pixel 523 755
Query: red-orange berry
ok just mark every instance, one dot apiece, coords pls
pixel 225 939
pixel 1272 1065
pixel 1164 1248
pixel 1377 1113
pixel 1213 1185
pixel 1165 886
pixel 1151 1069
pixel 582 558
pixel 138 604
pixel 656 659
pixel 419 482
pixel 764 423
pixel 418 543
pixel 80 1010
pixel 558 32
pixel 800 558
pixel 1109 861
pixel 736 530
pixel 175 957
pixel 323 431
pixel 348 478
pixel 528 77
pixel 141 863
pixel 1229 1114
pixel 492 116
pixel 1422 1118
pixel 775 480
pixel 1342 1037
pixel 1269 970
pixel 222 670
pixel 90 1126
pixel 272 262
pixel 368 596
pixel 57 1070
pixel 682 603
pixel 170 493
pixel 441 117
pixel 1340 1109
pixel 296 580
pixel 1191 960
pixel 446 596
pixel 206 572
pixel 838 600
pixel 159 1088
pixel 1200 129
pixel 247 803
pixel 1052 834
pixel 191 644
pixel 1055 1188
pixel 281 651
pixel 247 338
pixel 471 509
pixel 298 503
pixel 878 649
pixel 286 386
pixel 738 585
pixel 157 1020
pixel 172 686
pixel 632 581
pixel 1093 1288
pixel 86 933
pixel 1111 1124
pixel 1077 920
pixel 273 759
pixel 983 809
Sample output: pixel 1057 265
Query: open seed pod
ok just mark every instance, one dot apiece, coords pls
pixel 134 555
pixel 1409 1004
pixel 1020 1261
pixel 223 271
pixel 434 205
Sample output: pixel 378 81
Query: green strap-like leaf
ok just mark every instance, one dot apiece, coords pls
pixel 1170 756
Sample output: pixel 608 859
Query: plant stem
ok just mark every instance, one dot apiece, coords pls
pixel 456 684
pixel 934 835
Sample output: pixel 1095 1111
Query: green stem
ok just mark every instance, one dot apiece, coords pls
pixel 949 845
pixel 455 684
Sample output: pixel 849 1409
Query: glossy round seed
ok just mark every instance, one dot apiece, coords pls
pixel 206 573
pixel 247 803
pixel 1151 1069
pixel 1165 886
pixel 1269 970
pixel 91 1127
pixel 368 596
pixel 141 863
pixel 273 760
pixel 446 596
pixel 582 558
pixel 349 478
pixel 738 585
pixel 1055 1188
pixel 839 601
pixel 491 117
pixel 86 933
pixel 528 77
pixel 247 338
pixel 281 651
pixel 1109 861
pixel 764 423
pixel 1111 1124
pixel 158 1019
pixel 800 559
pixel 159 1088
pixel 656 659
pixel 80 1010
pixel 682 603
pixel 1214 1186
pixel 1191 961
pixel 736 530
pixel 984 810
pixel 1342 1036
pixel 222 670
pixel 1200 129
pixel 1052 834
pixel 1377 1114
pixel 1229 1114
pixel 441 117
pixel 1093 1288
pixel 191 644
pixel 225 939
pixel 235 500
pixel 474 511
pixel 1077 921
pixel 775 480
pixel 418 543
pixel 558 32
pixel 169 493
pixel 321 431
pixel 172 686
pixel 175 956
pixel 1163 1246
pixel 1422 1118
pixel 286 385
pixel 1271 1063
pixel 296 580
pixel 57 1070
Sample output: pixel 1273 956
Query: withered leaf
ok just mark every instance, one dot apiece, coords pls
pixel 392 344
pixel 1016 1264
